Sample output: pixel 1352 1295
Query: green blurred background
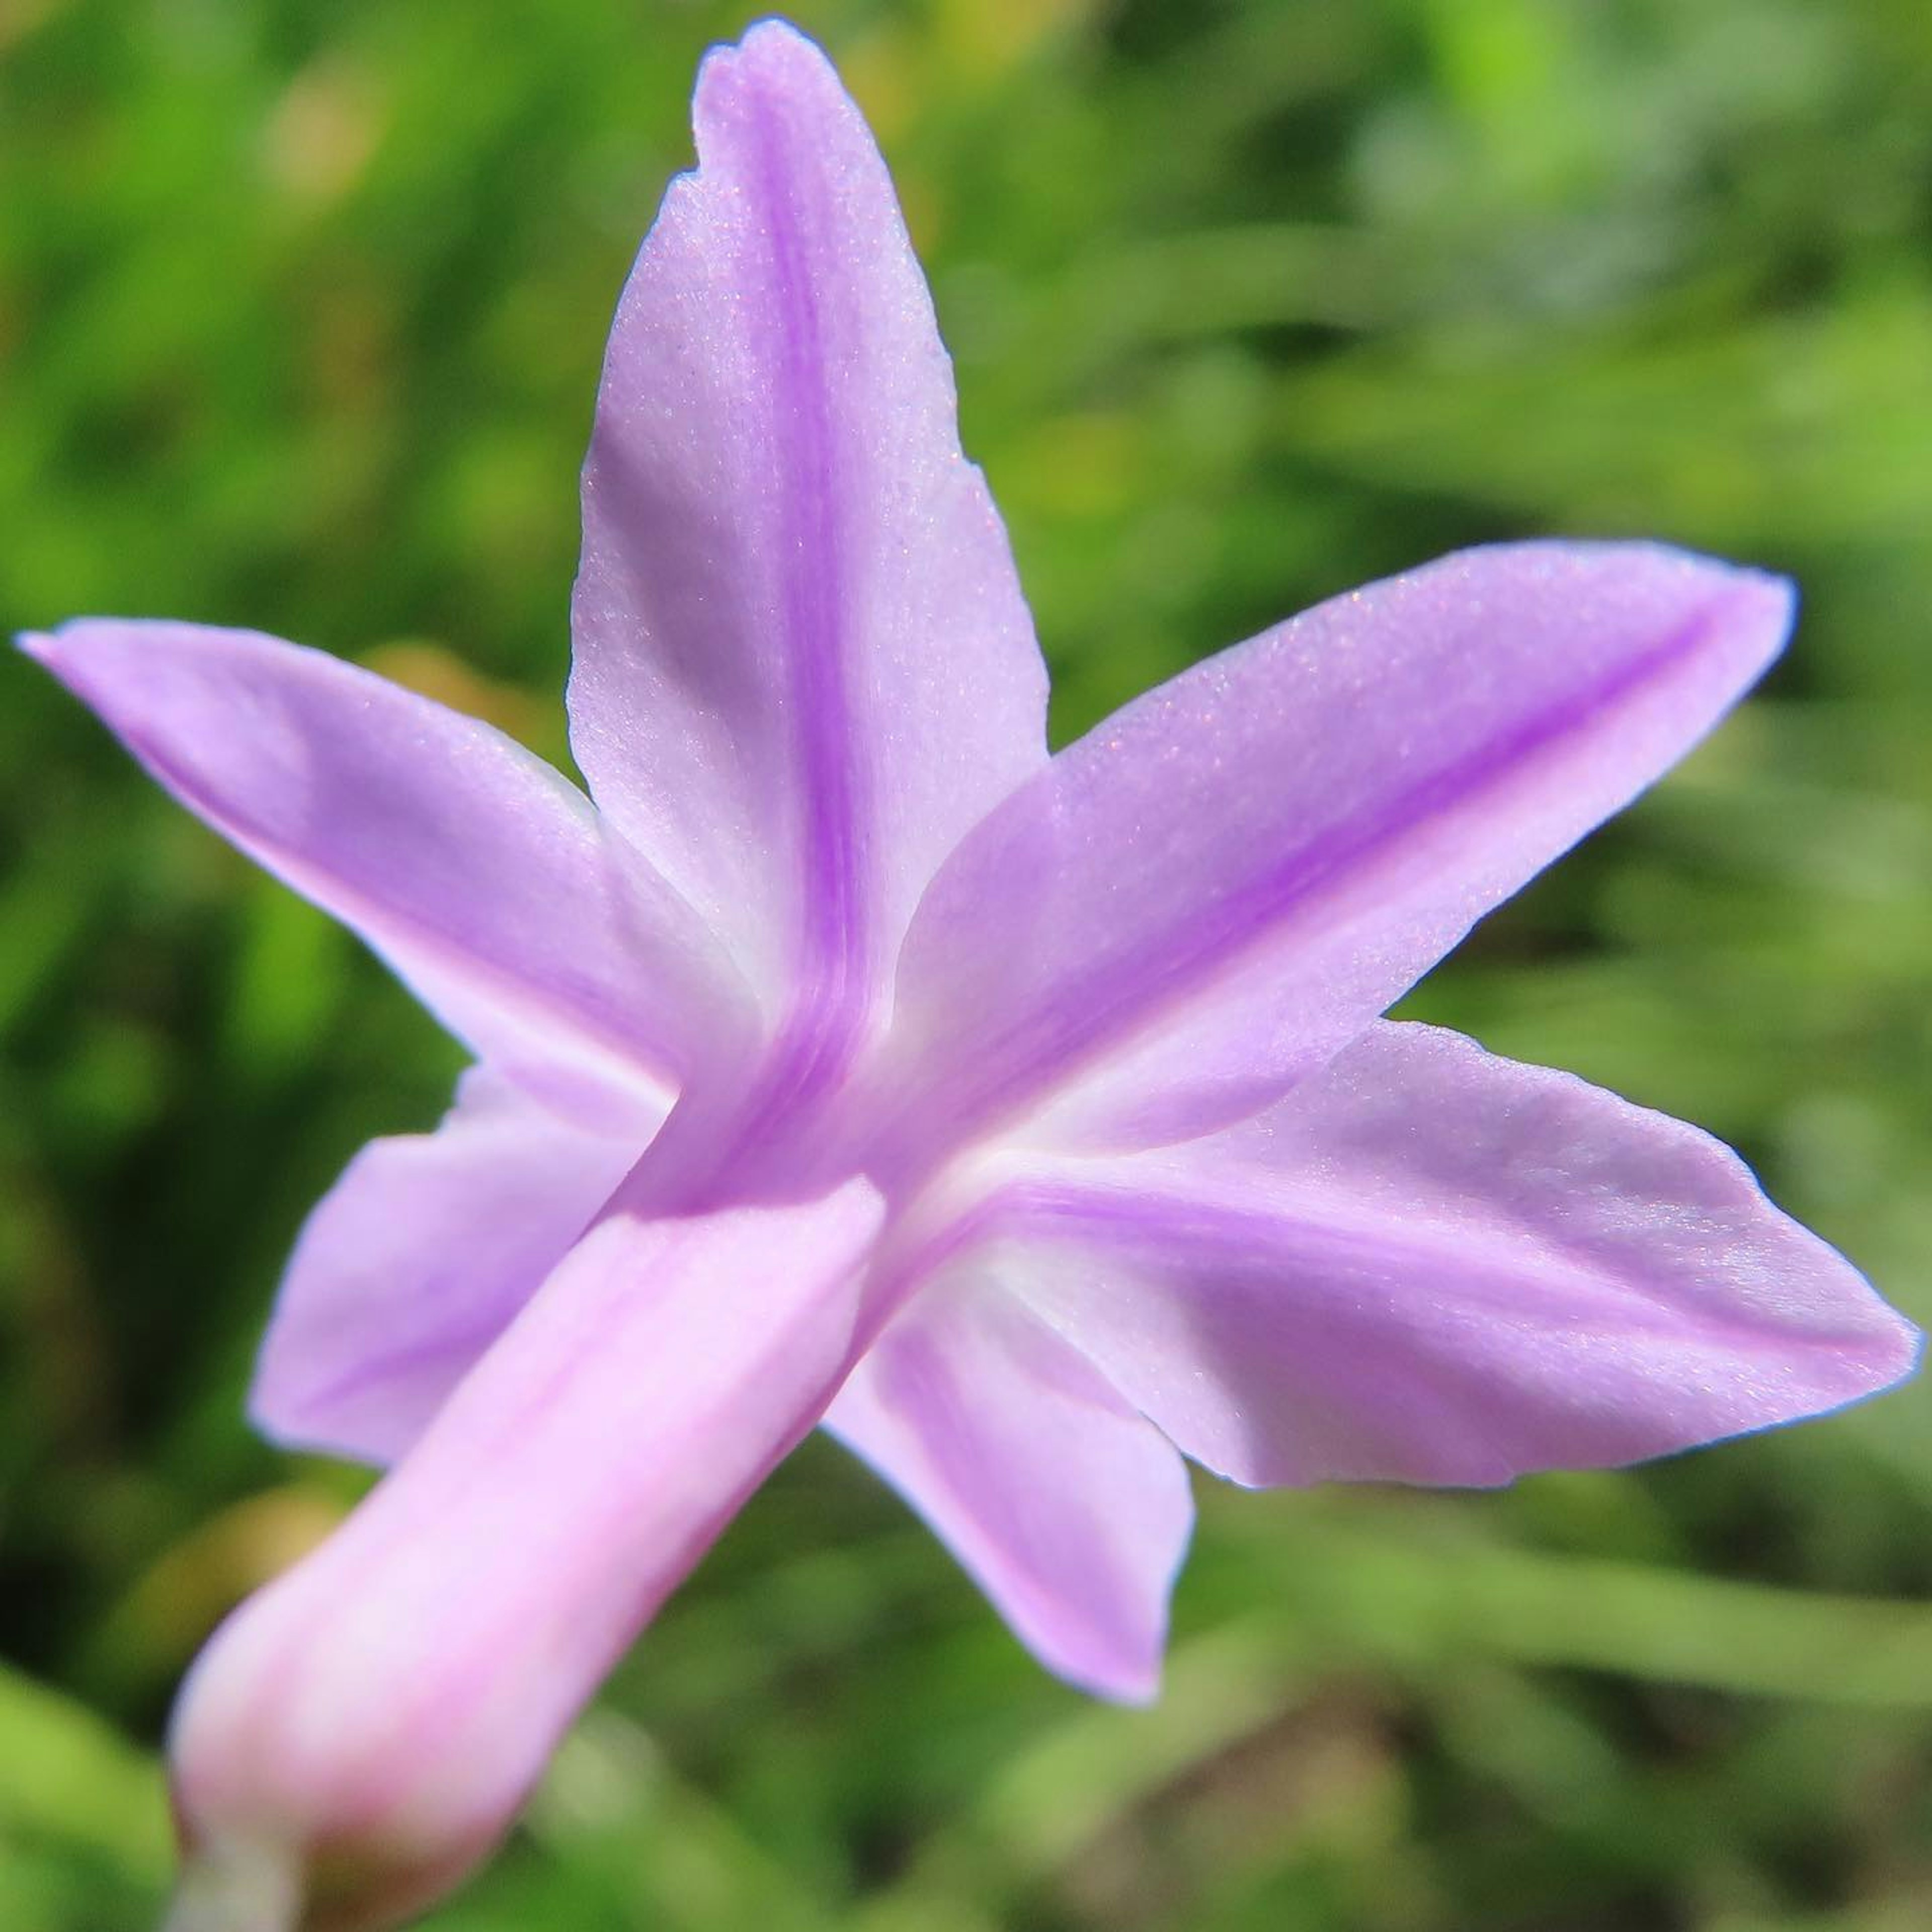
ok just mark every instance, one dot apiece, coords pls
pixel 301 303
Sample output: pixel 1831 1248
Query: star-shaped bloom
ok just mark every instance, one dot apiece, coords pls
pixel 1029 1122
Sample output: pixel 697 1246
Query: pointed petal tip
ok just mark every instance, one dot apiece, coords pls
pixel 73 648
pixel 772 54
pixel 775 35
pixel 1828 1379
pixel 1133 1686
pixel 1837 1373
pixel 281 1409
pixel 1893 1353
pixel 773 79
pixel 64 649
pixel 774 42
pixel 76 652
pixel 1845 1375
pixel 1911 1344
pixel 1757 608
pixel 1756 605
pixel 1099 1664
pixel 1752 610
pixel 1118 1666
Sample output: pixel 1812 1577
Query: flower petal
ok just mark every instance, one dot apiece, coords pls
pixel 804 667
pixel 417 1260
pixel 476 871
pixel 373 1718
pixel 1066 1508
pixel 1432 1265
pixel 1210 894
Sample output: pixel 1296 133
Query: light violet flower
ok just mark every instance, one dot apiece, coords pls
pixel 1029 1123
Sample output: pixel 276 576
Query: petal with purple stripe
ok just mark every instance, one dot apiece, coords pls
pixel 1206 897
pixel 477 872
pixel 803 667
pixel 1066 1507
pixel 417 1260
pixel 1429 1264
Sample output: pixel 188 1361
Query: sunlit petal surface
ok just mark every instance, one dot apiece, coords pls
pixel 804 667
pixel 479 872
pixel 1429 1264
pixel 1211 892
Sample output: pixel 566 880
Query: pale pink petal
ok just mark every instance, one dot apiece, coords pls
pixel 374 1717
pixel 1066 1508
pixel 804 667
pixel 477 872
pixel 417 1260
pixel 1432 1265
pixel 1211 892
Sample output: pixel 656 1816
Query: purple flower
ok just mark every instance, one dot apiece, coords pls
pixel 1028 1122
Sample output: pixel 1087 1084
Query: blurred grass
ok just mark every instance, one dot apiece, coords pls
pixel 301 309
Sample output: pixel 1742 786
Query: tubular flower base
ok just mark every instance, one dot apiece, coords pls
pixel 1029 1123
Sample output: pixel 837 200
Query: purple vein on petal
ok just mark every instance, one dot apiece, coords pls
pixel 465 1342
pixel 820 1032
pixel 1126 991
pixel 1202 1233
pixel 424 797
